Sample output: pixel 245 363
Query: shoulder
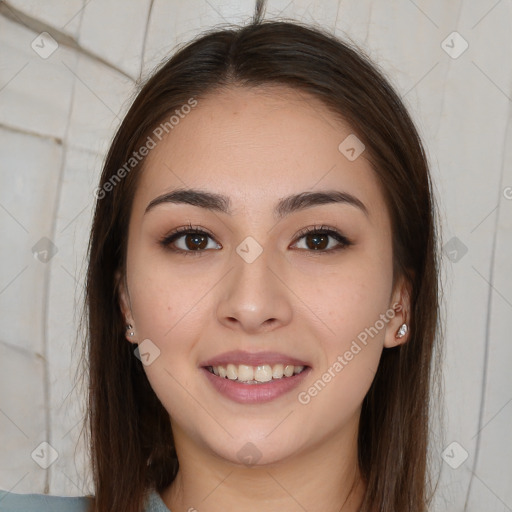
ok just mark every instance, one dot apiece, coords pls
pixel 154 502
pixel 13 502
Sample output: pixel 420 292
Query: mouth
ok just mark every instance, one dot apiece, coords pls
pixel 254 377
pixel 260 374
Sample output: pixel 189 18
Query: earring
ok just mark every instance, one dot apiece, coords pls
pixel 129 328
pixel 402 331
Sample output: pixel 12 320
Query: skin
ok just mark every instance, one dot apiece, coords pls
pixel 257 146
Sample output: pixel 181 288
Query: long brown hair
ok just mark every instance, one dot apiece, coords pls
pixel 130 434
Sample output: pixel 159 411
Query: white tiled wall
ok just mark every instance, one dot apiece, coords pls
pixel 57 116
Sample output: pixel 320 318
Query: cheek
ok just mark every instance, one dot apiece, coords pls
pixel 349 293
pixel 352 301
pixel 164 311
pixel 355 314
pixel 168 311
pixel 164 295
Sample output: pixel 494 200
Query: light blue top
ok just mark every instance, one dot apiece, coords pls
pixel 12 502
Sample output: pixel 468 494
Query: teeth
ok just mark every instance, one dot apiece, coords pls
pixel 288 370
pixel 231 372
pixel 245 372
pixel 277 371
pixel 263 373
pixel 254 374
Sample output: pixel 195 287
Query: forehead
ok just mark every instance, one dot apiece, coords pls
pixel 256 145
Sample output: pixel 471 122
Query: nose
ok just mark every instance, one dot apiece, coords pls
pixel 254 295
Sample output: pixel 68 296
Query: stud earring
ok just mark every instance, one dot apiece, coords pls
pixel 401 331
pixel 129 327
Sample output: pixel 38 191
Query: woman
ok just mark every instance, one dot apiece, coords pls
pixel 262 292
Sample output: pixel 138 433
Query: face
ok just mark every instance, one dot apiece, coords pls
pixel 265 322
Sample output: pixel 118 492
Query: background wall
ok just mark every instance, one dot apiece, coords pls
pixel 63 93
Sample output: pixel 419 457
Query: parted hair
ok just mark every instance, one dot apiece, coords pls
pixel 129 430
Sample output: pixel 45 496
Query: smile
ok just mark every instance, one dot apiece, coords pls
pixel 245 389
pixel 255 374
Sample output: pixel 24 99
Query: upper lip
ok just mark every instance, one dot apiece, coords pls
pixel 252 359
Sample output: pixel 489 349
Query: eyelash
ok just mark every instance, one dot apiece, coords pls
pixel 167 240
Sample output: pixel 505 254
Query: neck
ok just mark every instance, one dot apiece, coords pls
pixel 323 478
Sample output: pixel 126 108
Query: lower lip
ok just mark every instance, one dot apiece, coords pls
pixel 254 393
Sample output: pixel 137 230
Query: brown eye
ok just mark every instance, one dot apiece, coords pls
pixel 317 239
pixel 195 241
pixel 187 240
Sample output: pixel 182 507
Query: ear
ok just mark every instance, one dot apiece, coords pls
pixel 401 306
pixel 124 303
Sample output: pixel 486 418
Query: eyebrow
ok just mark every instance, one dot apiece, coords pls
pixel 286 206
